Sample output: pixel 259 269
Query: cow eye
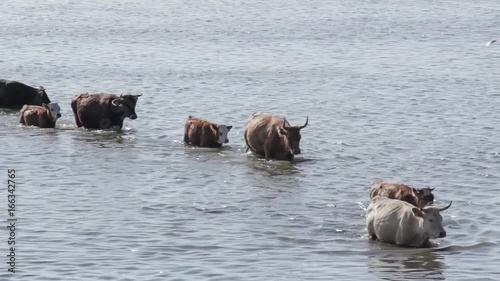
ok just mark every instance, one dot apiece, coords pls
pixel 430 220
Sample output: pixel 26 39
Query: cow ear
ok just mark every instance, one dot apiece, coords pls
pixel 229 128
pixel 417 212
pixel 214 127
pixel 44 105
pixel 282 131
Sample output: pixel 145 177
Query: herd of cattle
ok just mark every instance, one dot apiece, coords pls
pixel 397 214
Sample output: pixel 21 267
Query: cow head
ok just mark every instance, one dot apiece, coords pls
pixel 222 131
pixel 432 220
pixel 125 105
pixel 425 195
pixel 53 109
pixel 43 95
pixel 40 97
pixel 287 153
pixel 293 135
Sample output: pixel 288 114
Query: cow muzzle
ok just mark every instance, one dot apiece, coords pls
pixel 58 115
pixel 442 234
pixel 133 116
pixel 296 151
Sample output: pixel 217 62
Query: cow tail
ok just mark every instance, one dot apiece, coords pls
pixel 73 105
pixel 21 116
pixel 246 141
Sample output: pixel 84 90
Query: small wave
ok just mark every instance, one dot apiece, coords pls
pixel 218 210
pixel 301 159
pixel 459 248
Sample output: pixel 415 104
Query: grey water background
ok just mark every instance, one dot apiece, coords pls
pixel 398 90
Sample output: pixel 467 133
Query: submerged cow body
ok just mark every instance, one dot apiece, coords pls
pixel 204 133
pixel 271 136
pixel 417 197
pixel 14 94
pixel 398 222
pixel 44 116
pixel 102 110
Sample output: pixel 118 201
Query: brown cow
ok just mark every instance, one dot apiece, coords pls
pixel 417 197
pixel 44 116
pixel 103 111
pixel 270 135
pixel 201 132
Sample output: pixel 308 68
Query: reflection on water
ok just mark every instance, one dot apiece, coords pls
pixel 6 111
pixel 272 167
pixel 103 138
pixel 390 262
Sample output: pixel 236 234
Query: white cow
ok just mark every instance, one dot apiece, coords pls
pixel 398 222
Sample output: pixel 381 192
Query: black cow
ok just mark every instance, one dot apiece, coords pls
pixel 14 94
pixel 103 111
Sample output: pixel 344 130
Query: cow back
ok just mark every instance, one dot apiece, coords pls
pixel 394 191
pixel 39 116
pixel 258 128
pixel 393 221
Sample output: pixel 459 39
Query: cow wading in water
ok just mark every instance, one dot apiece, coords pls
pixel 14 95
pixel 271 136
pixel 44 116
pixel 204 133
pixel 103 111
pixel 398 222
pixel 417 197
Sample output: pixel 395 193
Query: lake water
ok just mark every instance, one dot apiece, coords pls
pixel 398 90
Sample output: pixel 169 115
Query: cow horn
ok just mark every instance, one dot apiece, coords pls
pixel 284 123
pixel 307 121
pixel 431 189
pixel 121 95
pixel 445 208
pixel 138 95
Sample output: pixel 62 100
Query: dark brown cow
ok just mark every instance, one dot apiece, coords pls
pixel 201 132
pixel 14 94
pixel 416 197
pixel 272 136
pixel 103 111
pixel 44 116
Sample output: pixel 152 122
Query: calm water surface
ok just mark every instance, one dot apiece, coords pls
pixel 404 91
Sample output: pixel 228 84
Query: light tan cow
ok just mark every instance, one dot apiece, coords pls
pixel 272 136
pixel 398 222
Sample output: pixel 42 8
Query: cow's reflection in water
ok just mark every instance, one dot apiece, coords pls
pixel 394 263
